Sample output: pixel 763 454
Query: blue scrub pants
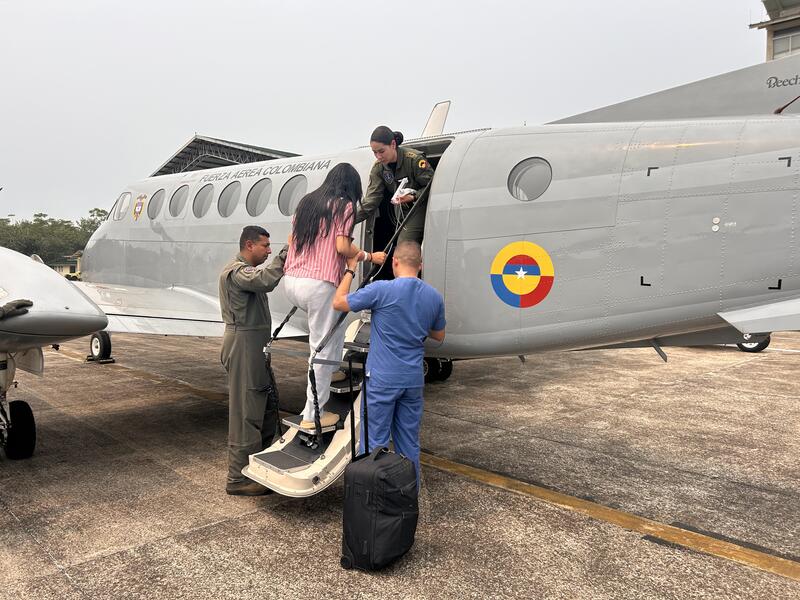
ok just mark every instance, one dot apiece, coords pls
pixel 396 412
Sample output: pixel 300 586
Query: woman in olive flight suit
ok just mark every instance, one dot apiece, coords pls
pixel 395 162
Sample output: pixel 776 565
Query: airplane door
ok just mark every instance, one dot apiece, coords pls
pixel 668 245
pixel 758 224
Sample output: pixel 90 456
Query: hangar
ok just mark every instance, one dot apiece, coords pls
pixel 202 152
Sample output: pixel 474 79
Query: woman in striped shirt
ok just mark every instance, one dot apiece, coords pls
pixel 320 244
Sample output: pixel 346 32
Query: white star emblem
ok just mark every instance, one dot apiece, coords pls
pixel 521 274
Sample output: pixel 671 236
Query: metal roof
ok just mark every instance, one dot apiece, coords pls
pixel 781 8
pixel 202 152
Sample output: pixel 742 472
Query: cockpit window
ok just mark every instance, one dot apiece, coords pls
pixel 202 201
pixel 121 207
pixel 229 199
pixel 530 179
pixel 155 204
pixel 291 194
pixel 178 201
pixel 258 197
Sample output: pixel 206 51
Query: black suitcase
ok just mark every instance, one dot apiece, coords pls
pixel 380 507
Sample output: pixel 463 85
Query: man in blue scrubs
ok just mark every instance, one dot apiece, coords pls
pixel 405 311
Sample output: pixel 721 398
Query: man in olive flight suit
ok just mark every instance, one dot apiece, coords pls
pixel 384 179
pixel 245 310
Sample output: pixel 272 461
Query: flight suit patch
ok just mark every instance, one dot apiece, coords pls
pixel 423 164
pixel 249 269
pixel 388 176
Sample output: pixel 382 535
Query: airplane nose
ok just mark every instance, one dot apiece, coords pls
pixel 72 321
pixel 50 322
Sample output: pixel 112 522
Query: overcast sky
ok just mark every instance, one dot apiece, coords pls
pixel 98 93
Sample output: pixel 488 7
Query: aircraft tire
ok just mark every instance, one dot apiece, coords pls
pixel 21 437
pixel 755 346
pixel 100 345
pixel 445 369
pixel 431 368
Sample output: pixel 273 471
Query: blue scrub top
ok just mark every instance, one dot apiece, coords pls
pixel 404 310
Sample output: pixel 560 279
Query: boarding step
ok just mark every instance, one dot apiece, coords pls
pixel 300 449
pixel 294 423
pixel 343 386
pixel 294 456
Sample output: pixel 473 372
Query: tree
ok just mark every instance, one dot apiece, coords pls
pixel 90 224
pixel 52 239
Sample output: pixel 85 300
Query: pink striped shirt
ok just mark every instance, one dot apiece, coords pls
pixel 321 260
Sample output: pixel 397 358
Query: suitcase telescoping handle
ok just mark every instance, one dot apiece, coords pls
pixel 366 412
pixel 353 415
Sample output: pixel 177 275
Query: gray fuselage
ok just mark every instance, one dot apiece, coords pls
pixel 652 228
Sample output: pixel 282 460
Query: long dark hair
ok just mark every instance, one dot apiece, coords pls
pixel 384 135
pixel 318 209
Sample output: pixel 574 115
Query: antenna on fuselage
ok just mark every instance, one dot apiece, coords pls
pixel 785 106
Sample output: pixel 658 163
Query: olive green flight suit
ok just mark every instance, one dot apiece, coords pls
pixel 383 182
pixel 245 311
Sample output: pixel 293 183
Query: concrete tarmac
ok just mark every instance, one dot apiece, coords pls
pixel 124 497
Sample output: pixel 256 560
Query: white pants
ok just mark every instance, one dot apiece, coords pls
pixel 315 297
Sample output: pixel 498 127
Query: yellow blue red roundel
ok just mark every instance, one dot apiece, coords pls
pixel 522 274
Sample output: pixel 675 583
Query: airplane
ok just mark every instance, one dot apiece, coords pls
pixel 60 312
pixel 565 236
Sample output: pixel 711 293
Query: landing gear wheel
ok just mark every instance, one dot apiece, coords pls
pixel 445 369
pixel 755 346
pixel 21 435
pixel 431 367
pixel 100 345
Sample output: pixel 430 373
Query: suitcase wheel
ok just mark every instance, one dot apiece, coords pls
pixel 346 562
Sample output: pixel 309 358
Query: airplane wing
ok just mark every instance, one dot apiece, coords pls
pixel 775 316
pixel 165 311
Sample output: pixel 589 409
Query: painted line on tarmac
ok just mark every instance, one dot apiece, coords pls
pixel 653 529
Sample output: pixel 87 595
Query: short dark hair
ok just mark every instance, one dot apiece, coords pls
pixel 409 253
pixel 251 233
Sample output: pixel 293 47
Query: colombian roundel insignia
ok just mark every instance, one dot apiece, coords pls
pixel 522 274
pixel 423 164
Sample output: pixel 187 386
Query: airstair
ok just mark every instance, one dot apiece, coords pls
pixel 303 462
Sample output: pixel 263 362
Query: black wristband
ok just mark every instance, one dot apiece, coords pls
pixel 353 273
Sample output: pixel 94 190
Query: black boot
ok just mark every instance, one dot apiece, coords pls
pixel 246 488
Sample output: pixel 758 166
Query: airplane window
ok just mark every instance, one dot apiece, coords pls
pixel 530 179
pixel 121 207
pixel 258 197
pixel 155 204
pixel 291 194
pixel 202 201
pixel 229 198
pixel 178 201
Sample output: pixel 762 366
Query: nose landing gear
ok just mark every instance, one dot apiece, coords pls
pixel 17 425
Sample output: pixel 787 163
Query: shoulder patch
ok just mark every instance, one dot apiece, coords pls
pixel 422 164
pixel 249 269
pixel 411 154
